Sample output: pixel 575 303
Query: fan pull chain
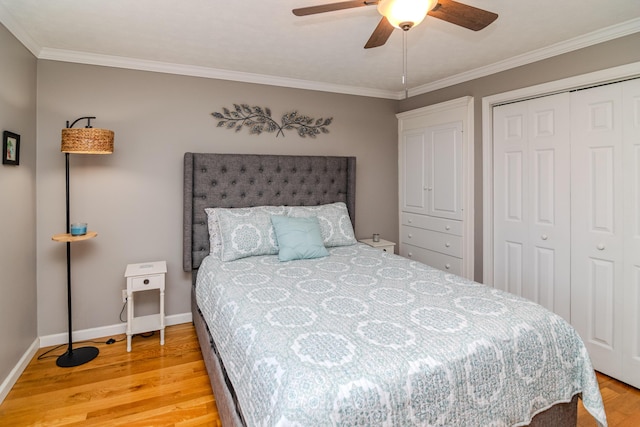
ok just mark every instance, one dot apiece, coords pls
pixel 404 64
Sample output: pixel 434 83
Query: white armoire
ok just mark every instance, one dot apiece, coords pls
pixel 435 172
pixel 566 214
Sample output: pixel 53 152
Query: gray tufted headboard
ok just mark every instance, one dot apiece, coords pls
pixel 242 180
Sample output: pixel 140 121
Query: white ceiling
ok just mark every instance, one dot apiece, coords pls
pixel 262 41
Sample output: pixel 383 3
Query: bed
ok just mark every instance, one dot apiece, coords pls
pixel 392 341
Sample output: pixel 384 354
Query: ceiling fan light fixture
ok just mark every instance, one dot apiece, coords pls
pixel 404 14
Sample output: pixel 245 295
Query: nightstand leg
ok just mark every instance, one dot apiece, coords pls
pixel 129 318
pixel 162 316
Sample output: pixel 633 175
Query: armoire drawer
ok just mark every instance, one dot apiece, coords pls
pixel 434 259
pixel 432 240
pixel 450 226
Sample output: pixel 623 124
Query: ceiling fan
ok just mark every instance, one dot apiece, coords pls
pixel 405 14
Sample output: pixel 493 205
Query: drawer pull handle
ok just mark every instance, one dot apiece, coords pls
pixel 600 247
pixel 146 281
pixel 447 227
pixel 409 254
pixel 447 244
pixel 544 237
pixel 447 266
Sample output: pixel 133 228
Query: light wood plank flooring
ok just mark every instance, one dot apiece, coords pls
pixel 152 385
pixel 168 386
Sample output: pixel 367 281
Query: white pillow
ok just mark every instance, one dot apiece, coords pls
pixel 215 244
pixel 334 220
pixel 247 232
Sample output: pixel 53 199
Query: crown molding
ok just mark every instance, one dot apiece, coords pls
pixel 206 72
pixel 615 31
pixel 18 32
pixel 599 36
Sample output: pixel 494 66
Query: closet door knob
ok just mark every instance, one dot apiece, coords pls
pixel 600 247
pixel 544 237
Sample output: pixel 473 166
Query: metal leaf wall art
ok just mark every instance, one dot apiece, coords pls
pixel 259 120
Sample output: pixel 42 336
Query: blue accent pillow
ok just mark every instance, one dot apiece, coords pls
pixel 298 238
pixel 335 224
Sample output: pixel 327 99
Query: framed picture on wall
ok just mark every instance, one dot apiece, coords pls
pixel 10 148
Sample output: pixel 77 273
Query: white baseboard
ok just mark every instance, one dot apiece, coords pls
pixel 15 373
pixel 82 335
pixel 105 331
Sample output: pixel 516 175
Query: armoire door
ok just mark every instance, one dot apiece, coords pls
pixel 413 171
pixel 444 170
pixel 531 158
pixel 432 171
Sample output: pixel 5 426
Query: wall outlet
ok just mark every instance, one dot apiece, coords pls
pixel 124 295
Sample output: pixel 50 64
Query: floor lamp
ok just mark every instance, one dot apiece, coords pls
pixel 87 140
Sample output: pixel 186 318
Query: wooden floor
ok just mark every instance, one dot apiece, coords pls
pixel 152 385
pixel 168 386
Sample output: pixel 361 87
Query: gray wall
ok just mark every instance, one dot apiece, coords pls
pixel 18 205
pixel 610 54
pixel 133 198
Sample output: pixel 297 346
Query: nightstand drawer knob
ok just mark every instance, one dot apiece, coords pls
pixel 447 244
pixel 448 227
pixel 447 266
pixel 146 281
pixel 410 235
pixel 409 254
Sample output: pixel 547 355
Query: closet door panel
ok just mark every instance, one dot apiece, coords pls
pixel 531 201
pixel 549 203
pixel 510 159
pixel 596 224
pixel 631 280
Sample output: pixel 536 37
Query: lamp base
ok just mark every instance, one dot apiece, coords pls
pixel 77 357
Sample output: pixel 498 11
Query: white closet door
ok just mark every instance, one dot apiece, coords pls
pixel 631 197
pixel 444 170
pixel 510 184
pixel 413 171
pixel 531 201
pixel 597 224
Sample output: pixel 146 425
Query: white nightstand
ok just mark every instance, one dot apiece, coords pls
pixel 383 245
pixel 143 277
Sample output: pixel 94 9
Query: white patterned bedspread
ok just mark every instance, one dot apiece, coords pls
pixel 366 338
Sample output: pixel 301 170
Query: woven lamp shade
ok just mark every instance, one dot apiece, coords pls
pixel 87 141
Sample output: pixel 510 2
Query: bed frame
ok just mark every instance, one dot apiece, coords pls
pixel 240 180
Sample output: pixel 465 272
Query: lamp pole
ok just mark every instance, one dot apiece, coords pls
pixel 80 355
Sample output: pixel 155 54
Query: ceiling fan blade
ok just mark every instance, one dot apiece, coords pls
pixel 330 7
pixel 463 15
pixel 380 34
